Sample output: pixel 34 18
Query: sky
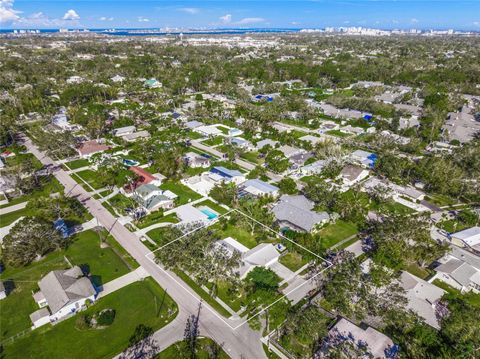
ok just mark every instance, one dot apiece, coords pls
pixel 384 14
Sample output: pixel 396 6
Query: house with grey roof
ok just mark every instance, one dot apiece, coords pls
pixel 263 255
pixel 376 343
pixel 296 213
pixel 351 175
pixel 194 160
pixel 422 297
pixel 151 197
pixel 459 269
pixel 265 142
pixel 64 292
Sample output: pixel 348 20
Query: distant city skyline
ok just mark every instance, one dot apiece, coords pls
pixel 382 14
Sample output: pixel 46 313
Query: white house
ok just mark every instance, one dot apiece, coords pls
pixel 241 143
pixel 263 255
pixel 352 175
pixel 151 197
pixel 64 292
pixel 469 238
pixel 122 131
pixel 195 160
pixel 208 130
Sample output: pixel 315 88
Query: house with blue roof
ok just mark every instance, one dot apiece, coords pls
pixel 364 158
pixel 228 175
pixel 62 228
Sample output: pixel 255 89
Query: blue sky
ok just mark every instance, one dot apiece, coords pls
pixel 387 14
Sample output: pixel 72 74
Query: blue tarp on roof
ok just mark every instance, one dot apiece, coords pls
pixel 258 97
pixel 367 117
pixel 62 227
pixel 373 158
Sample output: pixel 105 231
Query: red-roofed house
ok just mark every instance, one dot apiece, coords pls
pixel 144 177
pixel 88 148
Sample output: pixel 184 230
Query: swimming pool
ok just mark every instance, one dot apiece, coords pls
pixel 128 162
pixel 208 212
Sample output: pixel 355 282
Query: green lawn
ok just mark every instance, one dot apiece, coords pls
pixel 470 297
pixel 49 185
pixel 215 141
pixel 104 265
pixel 337 133
pixel 138 303
pixel 223 129
pixel 89 176
pixel 179 351
pixel 156 217
pixel 416 270
pixel 75 164
pixel 157 235
pixel 8 218
pixel 120 203
pixel 184 193
pixel 251 156
pixel 336 232
pixel 237 233
pixel 204 295
pixel 293 261
pixel 212 205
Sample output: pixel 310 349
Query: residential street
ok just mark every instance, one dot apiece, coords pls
pixel 242 342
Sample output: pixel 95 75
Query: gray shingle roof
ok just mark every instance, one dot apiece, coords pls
pixel 62 287
pixel 297 210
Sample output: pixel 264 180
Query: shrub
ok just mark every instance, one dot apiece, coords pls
pixel 106 317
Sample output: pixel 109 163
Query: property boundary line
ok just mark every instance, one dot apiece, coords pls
pixel 150 256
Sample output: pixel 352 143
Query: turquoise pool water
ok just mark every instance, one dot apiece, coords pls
pixel 207 211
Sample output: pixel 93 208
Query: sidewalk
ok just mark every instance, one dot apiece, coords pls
pixel 15 207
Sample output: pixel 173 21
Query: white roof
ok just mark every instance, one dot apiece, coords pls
pixel 231 244
pixel 470 236
pixel 209 130
pixel 188 214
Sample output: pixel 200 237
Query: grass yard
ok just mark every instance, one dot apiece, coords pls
pixel 293 261
pixel 251 156
pixel 157 235
pixel 120 203
pixel 416 270
pixel 204 295
pixel 75 164
pixel 336 232
pixel 49 185
pixel 89 176
pixel 337 133
pixel 238 233
pixel 223 129
pixel 138 303
pixel 204 350
pixel 8 218
pixel 185 194
pixel 215 141
pixel 470 297
pixel 157 217
pixel 103 263
pixel 212 205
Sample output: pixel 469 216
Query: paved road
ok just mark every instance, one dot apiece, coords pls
pixel 240 343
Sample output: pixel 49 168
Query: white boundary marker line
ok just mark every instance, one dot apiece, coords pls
pixel 189 289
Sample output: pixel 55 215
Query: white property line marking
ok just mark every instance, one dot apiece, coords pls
pixel 189 290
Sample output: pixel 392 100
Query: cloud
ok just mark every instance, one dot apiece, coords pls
pixel 414 21
pixel 250 20
pixel 7 12
pixel 104 18
pixel 294 23
pixel 189 10
pixel 476 23
pixel 226 19
pixel 71 15
pixel 142 19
